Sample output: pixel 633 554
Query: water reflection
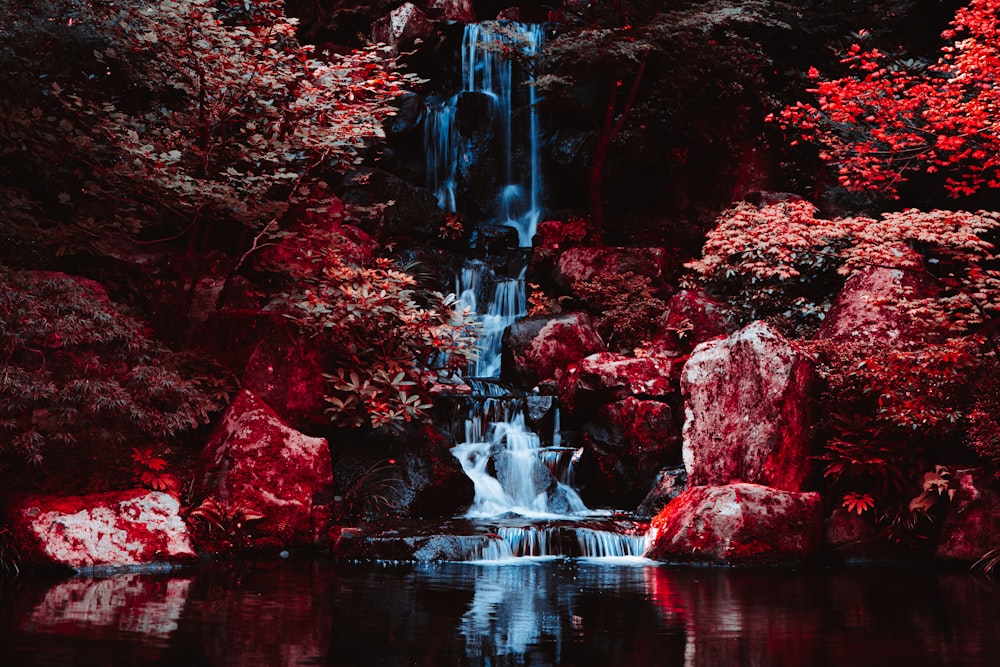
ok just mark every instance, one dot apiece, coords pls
pixel 538 612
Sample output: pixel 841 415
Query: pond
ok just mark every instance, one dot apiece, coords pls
pixel 312 611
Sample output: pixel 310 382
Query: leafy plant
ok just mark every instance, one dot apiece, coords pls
pixel 210 515
pixel 383 330
pixel 367 495
pixel 628 306
pixel 891 118
pixel 151 471
pixel 988 563
pixel 784 259
pixel 82 376
pixel 9 557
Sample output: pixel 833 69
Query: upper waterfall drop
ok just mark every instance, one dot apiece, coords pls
pixel 489 69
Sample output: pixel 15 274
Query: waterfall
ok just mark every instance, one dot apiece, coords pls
pixel 496 300
pixel 516 478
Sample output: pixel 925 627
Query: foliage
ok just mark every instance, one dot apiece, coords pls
pixel 891 118
pixel 988 563
pixel 628 305
pixel 9 557
pixel 225 116
pixel 984 415
pixel 781 258
pixel 151 471
pixel 81 376
pixel 382 330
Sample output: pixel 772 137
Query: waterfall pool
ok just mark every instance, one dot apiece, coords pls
pixel 553 611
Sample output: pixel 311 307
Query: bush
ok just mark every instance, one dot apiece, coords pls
pixel 81 378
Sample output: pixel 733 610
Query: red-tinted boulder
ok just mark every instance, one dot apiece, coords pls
pixel 626 445
pixel 607 263
pixel 746 405
pixel 110 530
pixel 738 524
pixel 692 317
pixel 286 372
pixel 538 348
pixel 606 377
pixel 451 10
pixel 261 484
pixel 401 27
pixel 972 526
pixel 864 310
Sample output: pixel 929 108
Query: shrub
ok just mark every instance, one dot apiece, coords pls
pixel 81 378
pixel 382 331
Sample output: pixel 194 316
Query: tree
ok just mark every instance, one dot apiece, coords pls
pixel 82 380
pixel 225 116
pixel 890 119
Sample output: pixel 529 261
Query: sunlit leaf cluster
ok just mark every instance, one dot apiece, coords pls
pixel 891 118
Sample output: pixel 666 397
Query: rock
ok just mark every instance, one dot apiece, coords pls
pixel 692 317
pixel 232 336
pixel 863 311
pixel 606 377
pixel 413 216
pixel 668 485
pixel 409 475
pixel 746 410
pixel 583 263
pixel 626 445
pixel 260 483
pixel 849 534
pixel 422 542
pixel 972 526
pixel 451 10
pixel 402 27
pixel 478 169
pixel 103 532
pixel 738 524
pixel 537 348
pixel 408 117
pixel 286 372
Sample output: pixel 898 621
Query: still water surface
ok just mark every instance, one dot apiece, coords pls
pixel 552 612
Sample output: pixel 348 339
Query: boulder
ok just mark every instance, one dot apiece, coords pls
pixel 692 317
pixel 864 309
pixel 746 401
pixel 738 524
pixel 626 443
pixel 402 27
pixel 412 474
pixel 414 214
pixel 103 532
pixel 259 483
pixel 972 526
pixel 607 263
pixel 605 377
pixel 539 348
pixel 285 371
pixel 668 485
pixel 850 535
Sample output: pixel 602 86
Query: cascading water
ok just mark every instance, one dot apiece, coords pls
pixel 515 477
